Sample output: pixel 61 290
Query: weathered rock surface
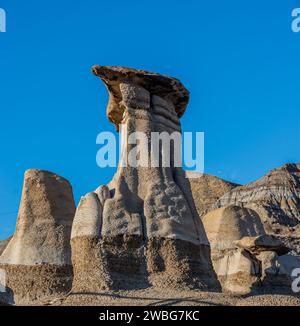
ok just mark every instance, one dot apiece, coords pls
pixel 244 257
pixel 207 189
pixel 238 271
pixel 165 87
pixel 277 272
pixel 90 274
pixel 269 262
pixel 292 241
pixel 275 197
pixel 225 225
pixel 153 228
pixel 236 268
pixel 37 260
pixel 256 245
pixel 143 229
pixel 3 244
pixel 236 224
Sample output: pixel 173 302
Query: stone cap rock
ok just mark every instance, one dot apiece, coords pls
pixel 255 245
pixel 164 86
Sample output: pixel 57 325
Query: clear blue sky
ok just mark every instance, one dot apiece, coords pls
pixel 239 59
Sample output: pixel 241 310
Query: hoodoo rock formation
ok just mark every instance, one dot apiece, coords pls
pixel 236 268
pixel 244 257
pixel 154 228
pixel 143 228
pixel 37 260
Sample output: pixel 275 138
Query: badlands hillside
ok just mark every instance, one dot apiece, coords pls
pixel 154 235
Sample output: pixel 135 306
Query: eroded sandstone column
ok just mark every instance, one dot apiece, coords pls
pixel 148 231
pixel 37 259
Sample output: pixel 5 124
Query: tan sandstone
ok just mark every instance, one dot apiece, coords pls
pixel 37 260
pixel 143 229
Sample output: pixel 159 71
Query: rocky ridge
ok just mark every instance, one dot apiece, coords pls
pixel 275 197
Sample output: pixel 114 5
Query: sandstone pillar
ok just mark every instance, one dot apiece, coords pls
pixel 37 260
pixel 150 233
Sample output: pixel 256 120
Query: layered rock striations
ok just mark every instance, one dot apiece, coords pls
pixel 37 260
pixel 143 228
pixel 275 197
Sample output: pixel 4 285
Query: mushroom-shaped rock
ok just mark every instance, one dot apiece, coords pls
pixel 237 269
pixel 162 86
pixel 150 232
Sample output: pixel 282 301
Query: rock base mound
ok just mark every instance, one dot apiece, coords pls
pixel 131 262
pixel 245 258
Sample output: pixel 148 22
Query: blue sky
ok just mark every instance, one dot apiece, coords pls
pixel 239 59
